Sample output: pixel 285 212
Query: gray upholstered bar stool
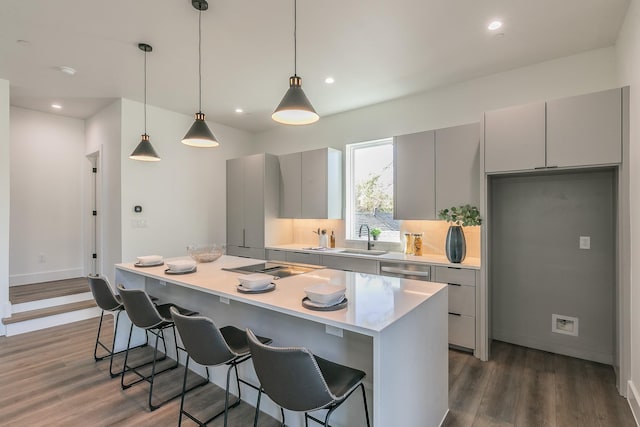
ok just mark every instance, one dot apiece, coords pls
pixel 296 379
pixel 209 346
pixel 107 301
pixel 154 319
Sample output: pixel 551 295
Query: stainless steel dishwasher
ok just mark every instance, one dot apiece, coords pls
pixel 406 270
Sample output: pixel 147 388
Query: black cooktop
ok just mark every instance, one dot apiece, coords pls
pixel 273 268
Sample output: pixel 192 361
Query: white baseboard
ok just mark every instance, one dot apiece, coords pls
pixel 51 321
pixel 45 276
pixel 633 398
pixel 50 302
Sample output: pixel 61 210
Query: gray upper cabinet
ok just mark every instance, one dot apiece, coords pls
pixel 251 186
pixel 311 184
pixel 585 130
pixel 514 138
pixel 414 170
pixel 458 166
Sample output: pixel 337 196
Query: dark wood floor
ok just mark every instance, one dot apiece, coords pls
pixel 49 378
pixel 26 293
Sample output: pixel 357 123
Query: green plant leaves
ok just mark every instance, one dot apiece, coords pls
pixel 465 215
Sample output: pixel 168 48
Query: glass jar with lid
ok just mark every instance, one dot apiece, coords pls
pixel 417 244
pixel 408 244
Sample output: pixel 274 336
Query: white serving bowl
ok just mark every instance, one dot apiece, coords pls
pixel 149 259
pixel 324 293
pixel 180 265
pixel 255 280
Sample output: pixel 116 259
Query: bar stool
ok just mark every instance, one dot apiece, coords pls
pixel 297 380
pixel 153 319
pixel 107 301
pixel 209 346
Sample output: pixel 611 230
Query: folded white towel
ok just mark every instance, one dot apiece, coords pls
pixel 180 265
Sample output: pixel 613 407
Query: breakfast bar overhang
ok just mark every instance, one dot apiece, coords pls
pixel 393 329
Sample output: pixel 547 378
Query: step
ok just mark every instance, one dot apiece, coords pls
pixel 49 311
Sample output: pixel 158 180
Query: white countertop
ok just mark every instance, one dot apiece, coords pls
pixel 375 302
pixel 470 263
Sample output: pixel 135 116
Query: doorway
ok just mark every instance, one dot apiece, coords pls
pixel 553 262
pixel 92 215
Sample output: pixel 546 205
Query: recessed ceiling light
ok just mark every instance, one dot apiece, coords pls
pixel 56 106
pixel 67 70
pixel 239 110
pixel 494 25
pixel 329 80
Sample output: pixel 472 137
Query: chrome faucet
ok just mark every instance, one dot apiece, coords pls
pixel 369 244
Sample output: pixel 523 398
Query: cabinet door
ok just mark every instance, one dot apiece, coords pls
pixel 276 255
pixel 303 258
pixel 314 184
pixel 235 201
pixel 253 200
pixel 414 176
pixel 458 166
pixel 290 185
pixel 514 138
pixel 359 265
pixel 585 130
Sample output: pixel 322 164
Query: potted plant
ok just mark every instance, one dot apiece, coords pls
pixel 375 232
pixel 458 217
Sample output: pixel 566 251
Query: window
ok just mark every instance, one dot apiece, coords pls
pixel 369 190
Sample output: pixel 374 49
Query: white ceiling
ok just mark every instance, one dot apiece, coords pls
pixel 375 49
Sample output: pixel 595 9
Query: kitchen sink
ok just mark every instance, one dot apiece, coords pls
pixel 363 252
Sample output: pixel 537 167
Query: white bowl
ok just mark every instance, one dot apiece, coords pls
pixel 255 280
pixel 324 293
pixel 180 265
pixel 149 259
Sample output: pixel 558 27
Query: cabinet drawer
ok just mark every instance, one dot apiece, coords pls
pixel 456 275
pixel 462 300
pixel 246 252
pixel 303 258
pixel 462 331
pixel 276 255
pixel 358 265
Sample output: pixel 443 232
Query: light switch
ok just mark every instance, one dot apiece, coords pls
pixel 585 242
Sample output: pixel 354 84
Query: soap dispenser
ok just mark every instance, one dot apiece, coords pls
pixel 332 240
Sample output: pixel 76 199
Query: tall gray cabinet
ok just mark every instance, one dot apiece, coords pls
pixel 252 200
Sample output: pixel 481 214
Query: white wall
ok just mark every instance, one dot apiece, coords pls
pixel 47 155
pixel 183 196
pixel 103 135
pixel 5 307
pixel 451 105
pixel 628 56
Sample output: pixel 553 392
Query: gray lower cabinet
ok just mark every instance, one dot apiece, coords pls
pixel 359 265
pixel 303 258
pixel 276 255
pixel 252 198
pixel 462 304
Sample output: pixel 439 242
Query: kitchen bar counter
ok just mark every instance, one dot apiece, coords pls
pixel 470 263
pixel 394 329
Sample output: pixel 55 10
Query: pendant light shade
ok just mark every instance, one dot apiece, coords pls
pixel 199 134
pixel 295 108
pixel 144 151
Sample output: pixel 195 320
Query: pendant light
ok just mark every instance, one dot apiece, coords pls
pixel 199 134
pixel 295 108
pixel 144 151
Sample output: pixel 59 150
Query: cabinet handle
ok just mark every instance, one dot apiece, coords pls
pixel 243 237
pixel 454 284
pixel 551 167
pixel 454 268
pixel 540 167
pixel 455 314
pixel 406 272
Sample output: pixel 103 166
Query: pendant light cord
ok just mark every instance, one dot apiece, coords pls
pixel 295 39
pixel 145 91
pixel 200 61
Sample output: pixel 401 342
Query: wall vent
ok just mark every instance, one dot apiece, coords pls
pixel 564 324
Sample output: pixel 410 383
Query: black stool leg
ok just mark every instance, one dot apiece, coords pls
pixel 184 389
pixel 255 418
pixel 95 349
pixel 364 399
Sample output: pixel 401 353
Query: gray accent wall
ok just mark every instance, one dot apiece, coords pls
pixel 538 269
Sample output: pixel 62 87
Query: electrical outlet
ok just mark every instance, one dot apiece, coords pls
pixel 333 330
pixel 564 324
pixel 585 242
pixel 224 300
pixel 162 283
